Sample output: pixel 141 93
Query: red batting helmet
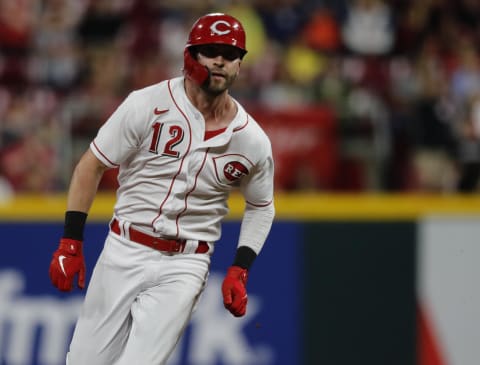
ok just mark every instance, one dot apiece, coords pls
pixel 214 28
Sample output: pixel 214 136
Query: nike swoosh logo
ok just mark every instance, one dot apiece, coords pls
pixel 60 260
pixel 157 111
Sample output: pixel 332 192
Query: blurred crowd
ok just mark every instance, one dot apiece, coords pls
pixel 401 78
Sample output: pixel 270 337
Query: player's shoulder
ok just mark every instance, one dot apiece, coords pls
pixel 250 134
pixel 150 91
pixel 250 125
pixel 150 96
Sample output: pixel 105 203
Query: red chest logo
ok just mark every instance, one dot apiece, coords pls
pixel 234 170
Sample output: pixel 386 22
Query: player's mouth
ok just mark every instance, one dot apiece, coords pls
pixel 218 75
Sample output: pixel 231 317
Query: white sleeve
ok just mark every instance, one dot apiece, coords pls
pixel 257 187
pixel 120 135
pixel 256 224
pixel 259 211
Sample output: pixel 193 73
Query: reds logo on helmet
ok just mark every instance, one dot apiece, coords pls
pixel 215 27
pixel 234 170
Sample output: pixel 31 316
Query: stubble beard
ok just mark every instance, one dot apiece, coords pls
pixel 215 88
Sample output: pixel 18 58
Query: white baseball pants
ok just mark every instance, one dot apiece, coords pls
pixel 137 305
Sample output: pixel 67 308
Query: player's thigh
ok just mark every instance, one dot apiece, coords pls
pixel 161 313
pixel 105 321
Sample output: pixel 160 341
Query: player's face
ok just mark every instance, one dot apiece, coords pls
pixel 223 61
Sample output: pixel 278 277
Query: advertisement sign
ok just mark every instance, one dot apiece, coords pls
pixel 304 145
pixel 37 321
pixel 448 256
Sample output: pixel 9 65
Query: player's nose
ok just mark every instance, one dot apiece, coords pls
pixel 219 60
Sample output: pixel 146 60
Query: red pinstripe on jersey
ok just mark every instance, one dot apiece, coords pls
pixel 181 161
pixel 190 191
pixel 260 205
pixel 239 128
pixel 103 155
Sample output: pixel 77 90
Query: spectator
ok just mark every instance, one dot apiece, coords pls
pixel 16 26
pixel 434 141
pixel 322 32
pixel 400 77
pixel 56 59
pixel 469 148
pixel 368 28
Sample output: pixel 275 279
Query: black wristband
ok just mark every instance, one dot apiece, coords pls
pixel 244 257
pixel 74 225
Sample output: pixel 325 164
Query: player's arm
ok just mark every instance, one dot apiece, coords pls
pixel 115 140
pixel 257 189
pixel 82 191
pixel 84 183
pixel 68 259
pixel 256 223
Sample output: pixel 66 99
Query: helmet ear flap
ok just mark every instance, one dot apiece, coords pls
pixel 193 69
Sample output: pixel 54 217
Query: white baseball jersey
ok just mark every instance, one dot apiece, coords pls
pixel 173 182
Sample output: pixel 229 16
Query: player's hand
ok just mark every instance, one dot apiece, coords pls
pixel 66 263
pixel 234 291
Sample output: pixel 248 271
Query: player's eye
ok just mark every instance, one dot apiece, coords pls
pixel 227 52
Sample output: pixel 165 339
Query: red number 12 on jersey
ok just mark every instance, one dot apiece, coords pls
pixel 176 136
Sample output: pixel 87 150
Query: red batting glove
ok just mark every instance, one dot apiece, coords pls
pixel 66 263
pixel 234 291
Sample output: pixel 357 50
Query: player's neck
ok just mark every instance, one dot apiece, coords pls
pixel 218 111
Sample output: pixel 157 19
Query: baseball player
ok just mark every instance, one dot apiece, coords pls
pixel 181 146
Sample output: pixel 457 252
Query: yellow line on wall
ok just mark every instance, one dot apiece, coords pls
pixel 288 207
pixel 374 206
